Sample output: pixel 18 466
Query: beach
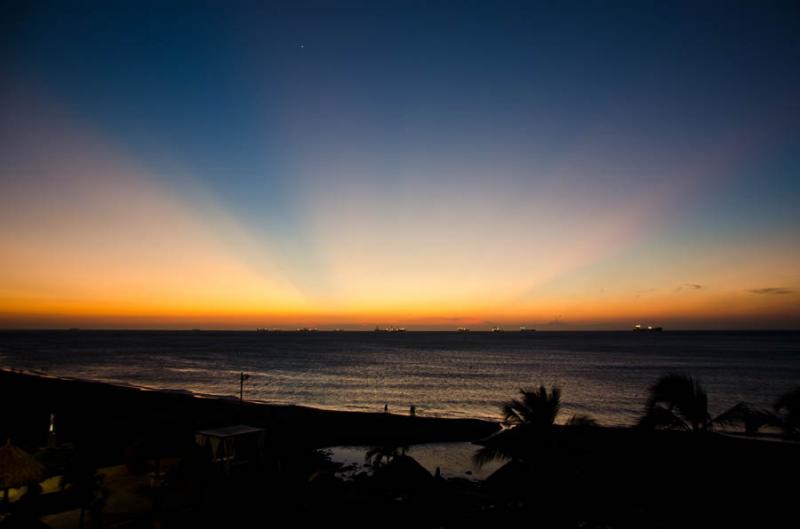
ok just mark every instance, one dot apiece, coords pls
pixel 399 265
pixel 617 477
pixel 110 417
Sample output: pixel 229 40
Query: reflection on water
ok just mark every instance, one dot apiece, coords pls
pixel 453 459
pixel 605 374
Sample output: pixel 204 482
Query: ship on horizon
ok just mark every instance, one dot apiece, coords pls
pixel 649 328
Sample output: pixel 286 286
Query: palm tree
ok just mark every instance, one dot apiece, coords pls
pixel 788 408
pixel 377 456
pixel 530 421
pixel 536 408
pixel 677 402
pixel 582 421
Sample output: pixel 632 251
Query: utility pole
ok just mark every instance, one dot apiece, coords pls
pixel 242 378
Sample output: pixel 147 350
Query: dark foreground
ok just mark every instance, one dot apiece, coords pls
pixel 583 477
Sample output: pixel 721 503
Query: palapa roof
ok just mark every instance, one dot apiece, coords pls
pixel 18 467
pixel 231 431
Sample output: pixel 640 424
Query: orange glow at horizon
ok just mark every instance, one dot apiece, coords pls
pixel 90 238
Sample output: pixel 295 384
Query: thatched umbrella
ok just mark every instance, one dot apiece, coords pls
pixel 17 468
pixel 404 473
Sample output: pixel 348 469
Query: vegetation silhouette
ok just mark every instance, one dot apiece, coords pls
pixel 378 456
pixel 536 408
pixel 529 420
pixel 582 421
pixel 530 427
pixel 677 402
pixel 787 408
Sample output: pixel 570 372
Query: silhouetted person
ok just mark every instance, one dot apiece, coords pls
pixel 412 410
pixel 386 408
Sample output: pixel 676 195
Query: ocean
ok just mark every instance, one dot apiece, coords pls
pixel 443 374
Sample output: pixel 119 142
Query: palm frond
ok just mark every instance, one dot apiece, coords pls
pixel 660 418
pixel 531 418
pixel 513 412
pixel 377 455
pixel 789 401
pixel 683 397
pixel 579 420
pixel 788 409
pixel 536 406
pixel 488 454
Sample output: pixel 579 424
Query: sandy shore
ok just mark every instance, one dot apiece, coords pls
pixel 111 417
pixel 581 477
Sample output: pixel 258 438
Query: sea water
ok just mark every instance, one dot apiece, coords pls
pixel 442 374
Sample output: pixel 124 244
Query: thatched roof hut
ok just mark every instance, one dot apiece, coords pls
pixel 403 473
pixel 18 468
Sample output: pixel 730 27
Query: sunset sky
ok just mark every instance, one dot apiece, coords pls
pixel 422 164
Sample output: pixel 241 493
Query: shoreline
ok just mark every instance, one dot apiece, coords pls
pixel 116 415
pixel 480 424
pixel 121 414
pixel 445 374
pixel 619 476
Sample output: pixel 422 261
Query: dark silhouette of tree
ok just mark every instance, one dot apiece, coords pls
pixel 377 456
pixel 788 409
pixel 677 402
pixel 536 408
pixel 530 420
pixel 582 421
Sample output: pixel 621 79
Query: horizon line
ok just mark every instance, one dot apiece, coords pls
pixel 308 330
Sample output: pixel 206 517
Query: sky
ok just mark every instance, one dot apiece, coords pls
pixel 431 165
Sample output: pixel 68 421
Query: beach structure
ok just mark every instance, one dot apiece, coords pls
pixel 233 445
pixel 18 468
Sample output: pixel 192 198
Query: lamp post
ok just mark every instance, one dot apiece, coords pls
pixel 242 378
pixel 51 432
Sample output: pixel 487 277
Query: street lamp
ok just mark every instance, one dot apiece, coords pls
pixel 242 378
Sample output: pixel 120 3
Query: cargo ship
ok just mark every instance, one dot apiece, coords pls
pixel 649 328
